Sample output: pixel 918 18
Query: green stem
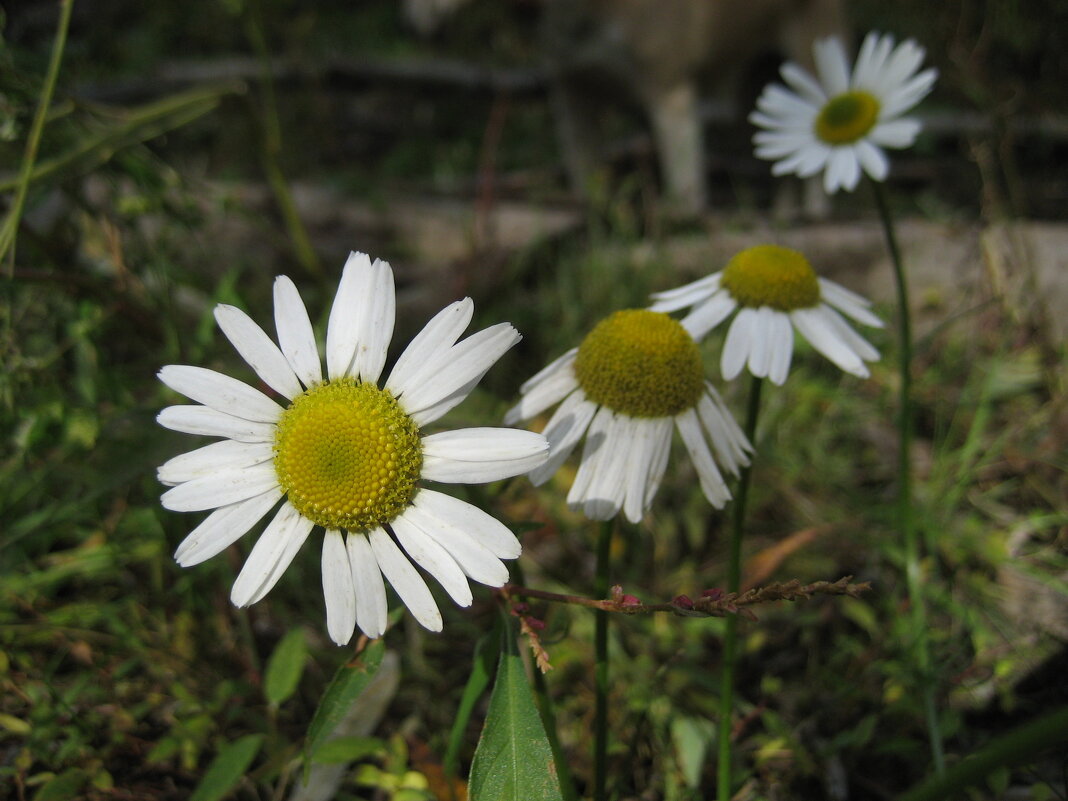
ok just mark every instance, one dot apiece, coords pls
pixel 917 606
pixel 9 231
pixel 600 647
pixel 1017 747
pixel 734 578
pixel 271 148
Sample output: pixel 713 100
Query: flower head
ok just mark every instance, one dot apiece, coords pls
pixel 635 377
pixel 841 122
pixel 347 455
pixel 774 290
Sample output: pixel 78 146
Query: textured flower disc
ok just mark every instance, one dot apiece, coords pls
pixel 347 455
pixel 640 363
pixel 847 118
pixel 769 275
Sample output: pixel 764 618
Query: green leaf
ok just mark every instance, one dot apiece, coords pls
pixel 343 690
pixel 226 770
pixel 691 736
pixel 347 749
pixel 477 682
pixel 59 788
pixel 285 667
pixel 513 760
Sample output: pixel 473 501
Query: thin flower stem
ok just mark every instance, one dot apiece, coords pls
pixel 917 606
pixel 9 231
pixel 734 578
pixel 600 646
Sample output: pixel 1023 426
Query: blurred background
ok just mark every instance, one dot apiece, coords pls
pixel 510 150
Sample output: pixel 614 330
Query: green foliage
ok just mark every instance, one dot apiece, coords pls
pixel 513 761
pixel 285 667
pixel 227 769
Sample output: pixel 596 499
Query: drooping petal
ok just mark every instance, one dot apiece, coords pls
pixel 816 328
pixel 563 431
pixel 730 444
pixel 648 442
pixel 780 348
pixel 739 341
pixel 547 388
pixel 257 349
pixel 478 455
pixel 296 337
pixel 339 592
pixel 405 580
pixel 709 314
pixel 848 302
pixel 220 489
pixel 709 477
pixel 271 555
pixel 220 392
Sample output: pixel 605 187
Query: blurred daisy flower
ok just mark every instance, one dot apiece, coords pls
pixel 344 454
pixel 840 123
pixel 774 290
pixel 636 376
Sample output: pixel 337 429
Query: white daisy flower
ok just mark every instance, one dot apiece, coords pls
pixel 841 122
pixel 635 377
pixel 775 290
pixel 344 454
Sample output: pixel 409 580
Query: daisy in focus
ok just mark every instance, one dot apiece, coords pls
pixel 840 123
pixel 344 454
pixel 774 290
pixel 636 376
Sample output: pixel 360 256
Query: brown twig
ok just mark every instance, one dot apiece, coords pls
pixel 711 603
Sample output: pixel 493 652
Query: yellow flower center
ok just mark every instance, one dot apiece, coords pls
pixel 347 455
pixel 769 275
pixel 640 363
pixel 847 117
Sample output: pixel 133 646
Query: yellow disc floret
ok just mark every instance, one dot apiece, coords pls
pixel 640 363
pixel 769 275
pixel 347 455
pixel 847 117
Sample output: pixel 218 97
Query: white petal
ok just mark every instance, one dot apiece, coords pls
pixel 256 348
pixel 843 171
pixel 487 530
pixel 895 133
pixel 780 348
pixel 803 83
pixel 220 392
pixel 223 527
pixel 423 355
pixel 405 580
pixel 816 328
pixel 760 349
pixel 712 484
pixel 549 388
pixel 343 329
pixel 872 159
pixel 599 485
pixel 376 319
pixel 709 314
pixel 460 369
pixel 478 455
pixel 213 423
pixel 435 560
pixel 596 443
pixel 272 554
pixel 217 457
pixel 832 65
pixel 338 590
pixel 686 295
pixel 295 335
pixel 728 441
pixel 864 349
pixel 845 300
pixel 220 489
pixel 739 341
pixel 367 581
pixel 646 446
pixel 563 431
pixel 476 560
pixel 658 461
